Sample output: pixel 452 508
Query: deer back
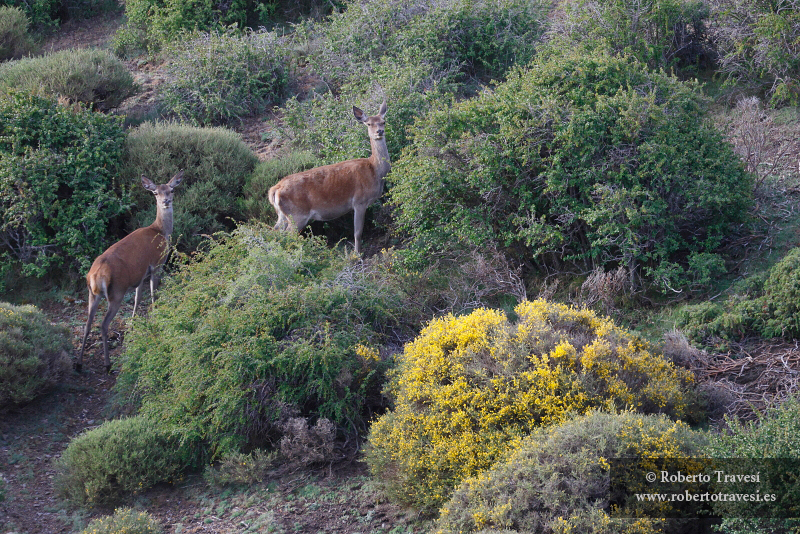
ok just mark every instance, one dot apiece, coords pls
pixel 125 263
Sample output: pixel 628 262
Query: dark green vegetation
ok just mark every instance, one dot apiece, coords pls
pixel 558 150
pixel 33 354
pixel 59 185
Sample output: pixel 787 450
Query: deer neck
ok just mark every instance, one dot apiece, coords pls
pixel 163 222
pixel 380 157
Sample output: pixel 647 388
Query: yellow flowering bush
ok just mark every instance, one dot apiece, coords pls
pixel 124 521
pixel 468 389
pixel 557 481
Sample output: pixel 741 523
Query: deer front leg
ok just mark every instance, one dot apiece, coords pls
pixel 358 223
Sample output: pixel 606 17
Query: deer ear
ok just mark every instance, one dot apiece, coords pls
pixel 176 180
pixel 360 117
pixel 382 111
pixel 148 184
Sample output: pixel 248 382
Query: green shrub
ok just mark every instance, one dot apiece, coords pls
pixel 771 308
pixel 124 521
pixel 775 435
pixel 759 48
pixel 34 354
pixel 216 163
pixel 239 468
pixel 58 188
pixel 581 158
pixel 89 76
pixel 559 475
pixel 255 197
pixel 216 78
pixel 42 14
pixel 86 9
pixel 262 327
pixel 117 459
pixel 661 34
pixel 469 388
pixel 15 41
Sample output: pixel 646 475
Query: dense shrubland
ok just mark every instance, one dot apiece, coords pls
pixel 587 160
pixel 34 354
pixel 470 388
pixel 15 41
pixel 60 192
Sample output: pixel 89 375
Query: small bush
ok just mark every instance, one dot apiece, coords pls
pixel 263 327
pixel 468 389
pixel 580 158
pixel 775 435
pixel 217 78
pixel 255 197
pixel 238 468
pixel 662 34
pixel 58 184
pixel 90 76
pixel 557 480
pixel 15 41
pixel 42 14
pixel 216 163
pixel 34 354
pixel 124 521
pixel 117 459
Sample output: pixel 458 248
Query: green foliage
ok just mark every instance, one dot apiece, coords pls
pixel 255 197
pixel 554 481
pixel 220 77
pixel 153 23
pixel 216 163
pixel 775 435
pixel 580 158
pixel 34 354
pixel 469 388
pixel 759 46
pixel 124 521
pixel 119 458
pixel 412 53
pixel 58 188
pixel 660 33
pixel 42 14
pixel 771 308
pixel 263 325
pixel 90 76
pixel 15 41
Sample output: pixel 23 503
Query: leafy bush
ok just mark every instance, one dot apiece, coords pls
pixel 558 478
pixel 579 158
pixel 661 33
pixel 216 163
pixel 124 521
pixel 89 76
pixel 34 354
pixel 469 388
pixel 770 309
pixel 42 14
pixel 58 188
pixel 119 458
pixel 775 435
pixel 239 468
pixel 759 47
pixel 262 327
pixel 255 196
pixel 15 41
pixel 220 77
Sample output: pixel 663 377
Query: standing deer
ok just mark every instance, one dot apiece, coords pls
pixel 328 192
pixel 127 263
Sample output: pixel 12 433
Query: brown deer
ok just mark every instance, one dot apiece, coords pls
pixel 127 264
pixel 328 192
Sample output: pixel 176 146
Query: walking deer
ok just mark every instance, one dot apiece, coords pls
pixel 328 192
pixel 127 264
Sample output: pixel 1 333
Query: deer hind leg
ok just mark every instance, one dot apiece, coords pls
pixel 114 302
pixel 94 301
